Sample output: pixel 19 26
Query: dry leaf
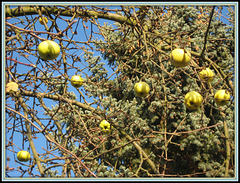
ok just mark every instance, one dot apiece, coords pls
pixel 11 87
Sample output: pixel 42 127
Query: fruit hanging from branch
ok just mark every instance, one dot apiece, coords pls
pixel 141 89
pixel 193 100
pixel 180 57
pixel 48 50
pixel 222 97
pixel 76 81
pixel 105 126
pixel 41 20
pixel 206 74
pixel 23 156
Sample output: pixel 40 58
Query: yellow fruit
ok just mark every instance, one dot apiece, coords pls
pixel 193 100
pixel 180 58
pixel 11 87
pixel 141 89
pixel 222 97
pixel 206 75
pixel 23 156
pixel 48 50
pixel 76 81
pixel 105 126
pixel 41 21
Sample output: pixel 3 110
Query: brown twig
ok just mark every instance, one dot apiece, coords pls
pixel 31 65
pixel 207 31
pixel 31 31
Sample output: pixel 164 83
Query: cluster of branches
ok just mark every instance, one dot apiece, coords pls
pixel 138 49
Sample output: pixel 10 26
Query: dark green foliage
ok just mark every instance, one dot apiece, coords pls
pixel 200 152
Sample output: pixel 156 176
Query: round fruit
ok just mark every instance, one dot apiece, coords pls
pixel 48 50
pixel 180 58
pixel 193 100
pixel 222 97
pixel 206 74
pixel 23 156
pixel 41 20
pixel 11 87
pixel 76 81
pixel 141 89
pixel 105 126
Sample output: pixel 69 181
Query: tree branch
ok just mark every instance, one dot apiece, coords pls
pixel 55 97
pixel 27 10
pixel 207 31
pixel 228 148
pixel 29 135
pixel 141 151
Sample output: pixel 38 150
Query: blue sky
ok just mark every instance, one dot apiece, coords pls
pixel 40 140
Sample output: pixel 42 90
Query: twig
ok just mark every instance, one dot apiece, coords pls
pixel 205 39
pixel 31 65
pixel 200 129
pixel 31 31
